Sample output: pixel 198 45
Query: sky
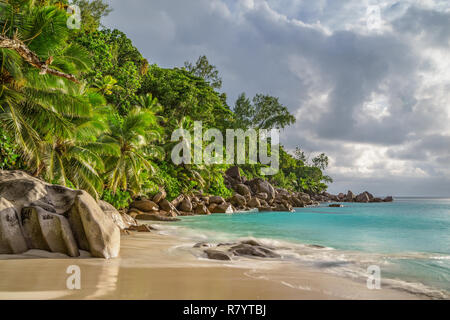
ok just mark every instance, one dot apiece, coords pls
pixel 368 81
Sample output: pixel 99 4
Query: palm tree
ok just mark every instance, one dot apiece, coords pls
pixel 34 103
pixel 75 160
pixel 106 85
pixel 134 135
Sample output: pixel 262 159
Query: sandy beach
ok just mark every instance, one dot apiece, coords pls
pixel 150 267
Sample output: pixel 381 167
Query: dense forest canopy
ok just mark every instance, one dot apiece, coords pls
pixel 107 129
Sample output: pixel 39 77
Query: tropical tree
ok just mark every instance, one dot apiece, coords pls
pixel 38 99
pixel 263 112
pixel 203 69
pixel 75 159
pixel 134 136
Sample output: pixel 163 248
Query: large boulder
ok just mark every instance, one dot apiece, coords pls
pixel 201 209
pixel 296 202
pixel 92 227
pixel 305 198
pixel 259 185
pixel 23 190
pixel 350 196
pixel 243 189
pixel 167 206
pixel 176 202
pixel 216 200
pixel 388 199
pixel 155 217
pixel 254 203
pixel 234 172
pixel 48 231
pixel 371 197
pixel 283 207
pixel 262 195
pixel 11 236
pixel 55 218
pixel 159 196
pixel 186 205
pixel 128 220
pixel 216 254
pixel 123 221
pixel 363 197
pixel 222 208
pixel 238 200
pixel 144 205
pixel 253 250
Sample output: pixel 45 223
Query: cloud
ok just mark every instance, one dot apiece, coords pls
pixel 374 99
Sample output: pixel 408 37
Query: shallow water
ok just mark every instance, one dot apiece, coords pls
pixel 409 239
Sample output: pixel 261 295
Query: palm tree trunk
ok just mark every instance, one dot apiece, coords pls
pixel 32 58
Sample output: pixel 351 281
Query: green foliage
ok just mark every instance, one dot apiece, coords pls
pixel 9 155
pixel 203 69
pixel 297 175
pixel 119 199
pixel 172 185
pixel 183 94
pixel 217 186
pixel 264 112
pixel 91 13
pixel 133 136
pixel 118 67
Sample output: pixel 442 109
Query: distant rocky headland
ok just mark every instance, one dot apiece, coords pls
pixel 38 215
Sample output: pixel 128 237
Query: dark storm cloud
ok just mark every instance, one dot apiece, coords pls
pixel 432 25
pixel 367 98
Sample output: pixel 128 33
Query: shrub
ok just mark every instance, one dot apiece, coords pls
pixel 120 199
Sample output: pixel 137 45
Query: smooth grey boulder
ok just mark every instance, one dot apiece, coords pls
pixel 12 240
pixel 216 200
pixel 238 200
pixel 167 206
pixel 176 202
pixel 123 221
pixel 216 254
pixel 363 197
pixel 259 185
pixel 201 209
pixel 48 231
pixel 254 203
pixel 155 217
pixel 234 172
pixel 253 250
pixel 145 205
pixel 186 205
pixel 243 190
pixel 23 190
pixel 350 196
pixel 159 196
pixel 100 232
pixel 222 208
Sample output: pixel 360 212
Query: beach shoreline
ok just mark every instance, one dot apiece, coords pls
pixel 151 267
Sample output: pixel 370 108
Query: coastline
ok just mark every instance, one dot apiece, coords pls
pixel 151 267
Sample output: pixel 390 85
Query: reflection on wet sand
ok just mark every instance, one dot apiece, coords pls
pixel 150 268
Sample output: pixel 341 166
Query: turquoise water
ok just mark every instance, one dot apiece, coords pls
pixel 411 234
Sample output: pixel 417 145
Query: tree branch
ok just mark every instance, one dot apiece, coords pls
pixel 30 57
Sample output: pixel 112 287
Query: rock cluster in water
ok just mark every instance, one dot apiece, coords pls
pixel 247 248
pixel 248 194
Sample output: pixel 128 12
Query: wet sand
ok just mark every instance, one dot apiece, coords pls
pixel 150 267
